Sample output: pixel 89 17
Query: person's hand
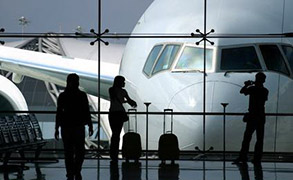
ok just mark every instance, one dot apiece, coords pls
pixel 57 134
pixel 133 104
pixel 91 131
pixel 248 83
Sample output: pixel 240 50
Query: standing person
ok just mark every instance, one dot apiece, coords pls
pixel 72 115
pixel 258 95
pixel 117 115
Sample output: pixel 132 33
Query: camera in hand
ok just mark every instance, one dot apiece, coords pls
pixel 249 82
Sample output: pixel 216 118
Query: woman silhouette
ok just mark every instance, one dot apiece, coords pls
pixel 117 114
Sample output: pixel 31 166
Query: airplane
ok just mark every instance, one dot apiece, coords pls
pixel 168 72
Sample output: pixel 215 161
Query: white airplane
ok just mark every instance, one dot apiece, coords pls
pixel 169 72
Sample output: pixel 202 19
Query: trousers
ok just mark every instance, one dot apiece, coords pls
pixel 251 127
pixel 116 125
pixel 73 140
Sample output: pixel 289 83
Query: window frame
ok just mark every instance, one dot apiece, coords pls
pixel 214 52
pixel 175 58
pixel 257 51
pixel 282 54
pixel 155 61
pixel 280 45
pixel 164 44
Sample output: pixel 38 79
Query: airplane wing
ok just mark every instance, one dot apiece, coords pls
pixel 55 68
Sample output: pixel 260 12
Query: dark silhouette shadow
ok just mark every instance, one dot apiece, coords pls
pixel 117 113
pixel 72 114
pixel 243 169
pixel 131 171
pixel 258 173
pixel 169 172
pixel 18 174
pixel 255 118
pixel 114 171
pixel 39 174
pixel 13 170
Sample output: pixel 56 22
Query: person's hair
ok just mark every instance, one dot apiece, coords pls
pixel 118 81
pixel 72 81
pixel 260 77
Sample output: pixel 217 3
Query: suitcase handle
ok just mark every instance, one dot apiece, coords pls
pixel 135 118
pixel 164 124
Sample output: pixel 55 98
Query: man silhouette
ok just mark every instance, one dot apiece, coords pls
pixel 72 115
pixel 258 95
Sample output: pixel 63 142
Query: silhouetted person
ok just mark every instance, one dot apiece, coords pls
pixel 118 96
pixel 72 115
pixel 258 95
pixel 243 169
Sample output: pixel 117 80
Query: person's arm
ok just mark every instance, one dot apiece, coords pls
pixel 129 100
pixel 245 89
pixel 88 118
pixel 267 95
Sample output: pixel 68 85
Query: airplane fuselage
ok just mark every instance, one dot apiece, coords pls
pixel 173 85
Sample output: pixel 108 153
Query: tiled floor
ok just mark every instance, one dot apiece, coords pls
pixel 94 169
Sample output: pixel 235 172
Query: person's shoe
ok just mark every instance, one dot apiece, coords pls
pixel 70 177
pixel 78 176
pixel 239 160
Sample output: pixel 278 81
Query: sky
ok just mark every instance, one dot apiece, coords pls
pixel 65 15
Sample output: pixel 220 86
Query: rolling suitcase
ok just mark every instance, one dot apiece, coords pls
pixel 168 142
pixel 131 147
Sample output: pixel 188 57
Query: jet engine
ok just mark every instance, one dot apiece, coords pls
pixel 11 99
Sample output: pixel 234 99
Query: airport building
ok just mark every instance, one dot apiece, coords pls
pixel 190 68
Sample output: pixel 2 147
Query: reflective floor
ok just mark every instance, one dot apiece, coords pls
pixel 94 169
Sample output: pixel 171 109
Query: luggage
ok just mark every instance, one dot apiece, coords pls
pixel 131 147
pixel 168 142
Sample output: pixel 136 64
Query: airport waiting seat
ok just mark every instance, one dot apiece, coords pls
pixel 18 134
pixel 36 127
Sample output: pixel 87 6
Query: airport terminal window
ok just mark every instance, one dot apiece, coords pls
pixel 273 58
pixel 151 59
pixel 167 57
pixel 288 51
pixel 241 58
pixel 192 59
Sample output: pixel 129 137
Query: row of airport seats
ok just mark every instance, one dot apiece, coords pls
pixel 19 133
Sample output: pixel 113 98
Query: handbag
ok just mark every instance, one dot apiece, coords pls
pixel 246 117
pixel 124 116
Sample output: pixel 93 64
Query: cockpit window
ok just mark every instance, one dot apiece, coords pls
pixel 192 59
pixel 273 58
pixel 167 57
pixel 151 59
pixel 242 58
pixel 288 51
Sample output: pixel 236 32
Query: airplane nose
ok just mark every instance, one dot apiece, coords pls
pixel 190 99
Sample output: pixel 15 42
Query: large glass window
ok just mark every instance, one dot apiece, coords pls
pixel 241 58
pixel 273 58
pixel 151 59
pixel 192 59
pixel 167 57
pixel 288 51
